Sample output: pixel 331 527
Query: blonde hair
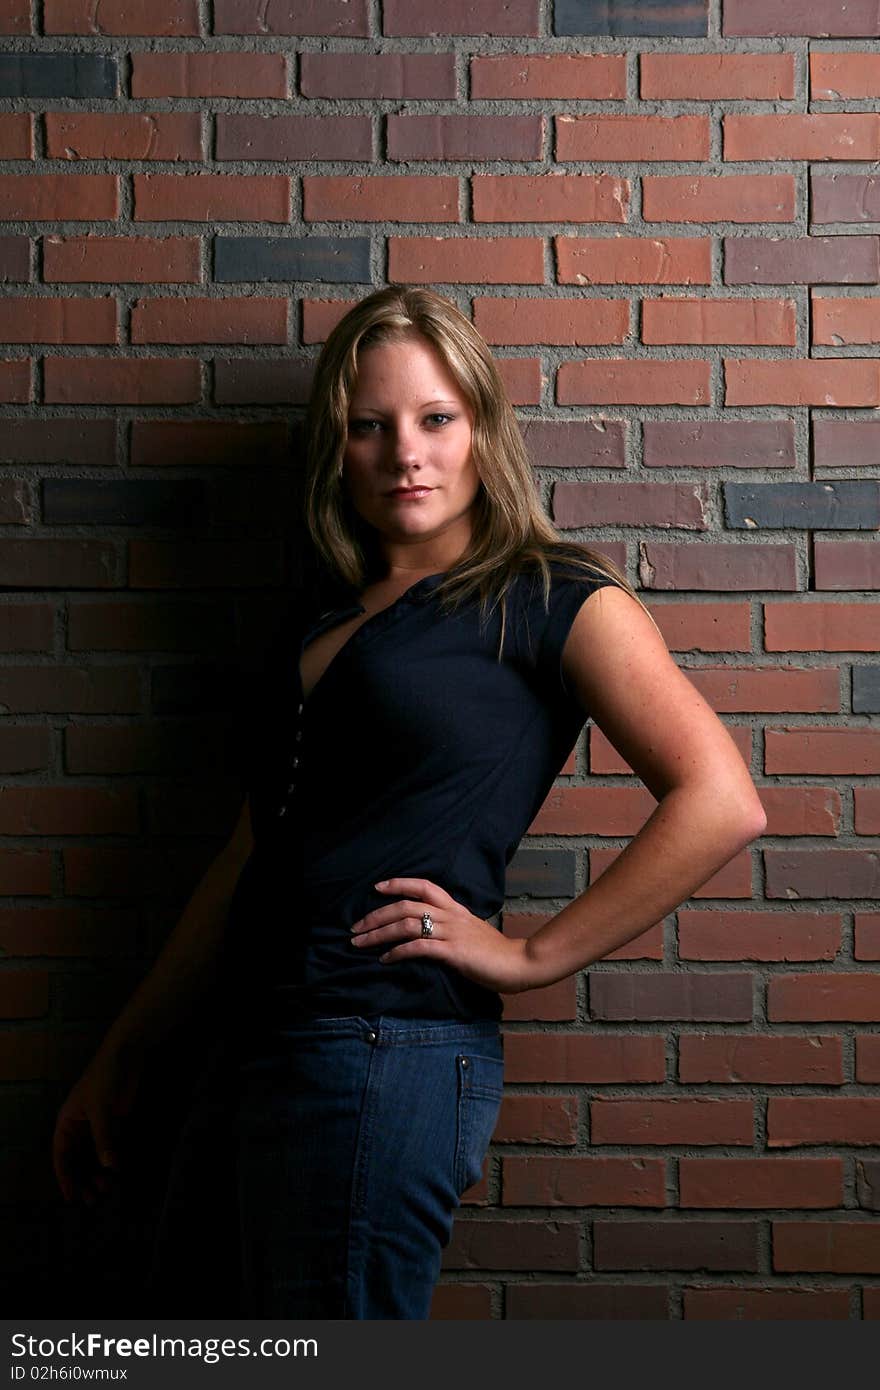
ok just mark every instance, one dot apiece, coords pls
pixel 511 532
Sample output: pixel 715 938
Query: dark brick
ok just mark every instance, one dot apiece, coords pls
pixel 128 502
pixel 719 444
pixel 250 381
pixel 201 443
pixel 389 76
pixel 15 258
pixel 832 873
pixel 811 260
pixel 825 506
pixel 845 443
pixel 563 443
pixel 59 564
pixel 57 75
pixel 845 198
pixel 841 19
pixel 620 18
pixel 195 689
pixel 579 1301
pixel 866 689
pixel 15 502
pixel 321 258
pixel 340 18
pixel 58 441
pixel 541 873
pixel 294 137
pixel 675 1245
pixel 464 137
pixel 664 995
pixel 868 1183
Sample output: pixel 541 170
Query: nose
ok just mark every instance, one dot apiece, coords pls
pixel 403 450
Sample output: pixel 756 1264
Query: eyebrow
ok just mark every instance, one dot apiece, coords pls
pixel 376 411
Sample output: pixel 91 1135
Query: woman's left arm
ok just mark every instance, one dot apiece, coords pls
pixel 619 667
pixel 616 663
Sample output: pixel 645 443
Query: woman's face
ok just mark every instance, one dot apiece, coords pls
pixel 409 428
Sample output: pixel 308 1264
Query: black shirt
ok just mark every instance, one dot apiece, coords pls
pixel 416 754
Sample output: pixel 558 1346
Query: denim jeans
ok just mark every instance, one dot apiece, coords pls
pixel 350 1143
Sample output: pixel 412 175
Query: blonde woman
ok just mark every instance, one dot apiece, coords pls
pixel 432 680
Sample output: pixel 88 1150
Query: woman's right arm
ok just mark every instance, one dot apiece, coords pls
pixel 84 1144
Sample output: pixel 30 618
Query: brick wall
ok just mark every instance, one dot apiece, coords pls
pixel 664 218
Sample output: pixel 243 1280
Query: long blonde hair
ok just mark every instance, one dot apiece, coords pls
pixel 510 532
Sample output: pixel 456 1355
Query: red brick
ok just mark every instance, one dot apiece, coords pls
pixel 774 689
pixel 839 76
pixel 829 627
pixel 595 443
pixel 822 873
pixel 539 77
pixel 214 74
pixel 549 198
pixel 367 199
pixel 528 1245
pixel 844 198
pixel 166 135
pixel 868 1059
pixel 15 381
pixel 793 1120
pixel 249 381
pixel 386 76
pixel 751 321
pixel 871 1303
pixel 867 929
pixel 212 197
pixel 867 810
pixel 801 810
pixel 60 810
pixel 831 381
pixel 122 380
pixel 593 811
pixel 15 258
pixel 633 260
pixel 578 1057
pixel 720 935
pixel 461 1303
pixel 636 138
pixel 584 1182
pixel 718 444
pixel 646 381
pixel 580 1301
pixel 631 504
pixel 705 627
pixel 206 443
pixel 568 321
pixel 848 998
pixel 15 17
pixel 604 756
pixel 765 1061
pixel 796 136
pixel 421 19
pixel 822 751
pixel 845 443
pixel 120 260
pixel 62 689
pixel 44 320
pixel 294 137
pixel 244 319
pixel 766 1305
pixel 469 260
pixel 537 1120
pixel 843 1247
pixel 58 197
pixel 343 18
pixel 734 198
pixel 846 564
pixel 834 18
pixel 844 322
pixel 717 566
pixel 17 136
pixel 717 76
pixel 70 931
pixel 464 137
pixel 24 993
pixel 320 316
pixel 171 18
pixel 644 1245
pixel 678 1121
pixel 660 994
pixel 749 1183
pixel 552 1003
pixel 522 379
pixel 25 872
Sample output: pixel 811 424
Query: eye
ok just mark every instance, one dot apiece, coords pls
pixel 444 419
pixel 363 426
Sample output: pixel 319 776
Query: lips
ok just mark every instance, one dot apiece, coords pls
pixel 410 492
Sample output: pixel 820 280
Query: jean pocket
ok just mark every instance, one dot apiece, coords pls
pixel 480 1081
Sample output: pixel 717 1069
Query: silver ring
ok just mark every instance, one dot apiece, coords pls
pixel 427 924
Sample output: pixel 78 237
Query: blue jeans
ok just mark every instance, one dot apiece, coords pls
pixel 352 1142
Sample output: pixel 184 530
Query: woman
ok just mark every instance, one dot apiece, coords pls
pixel 431 683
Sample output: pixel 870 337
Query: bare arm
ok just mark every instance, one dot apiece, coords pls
pixel 617 664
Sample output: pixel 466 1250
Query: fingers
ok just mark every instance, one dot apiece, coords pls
pixel 400 929
pixel 83 1157
pixel 423 889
